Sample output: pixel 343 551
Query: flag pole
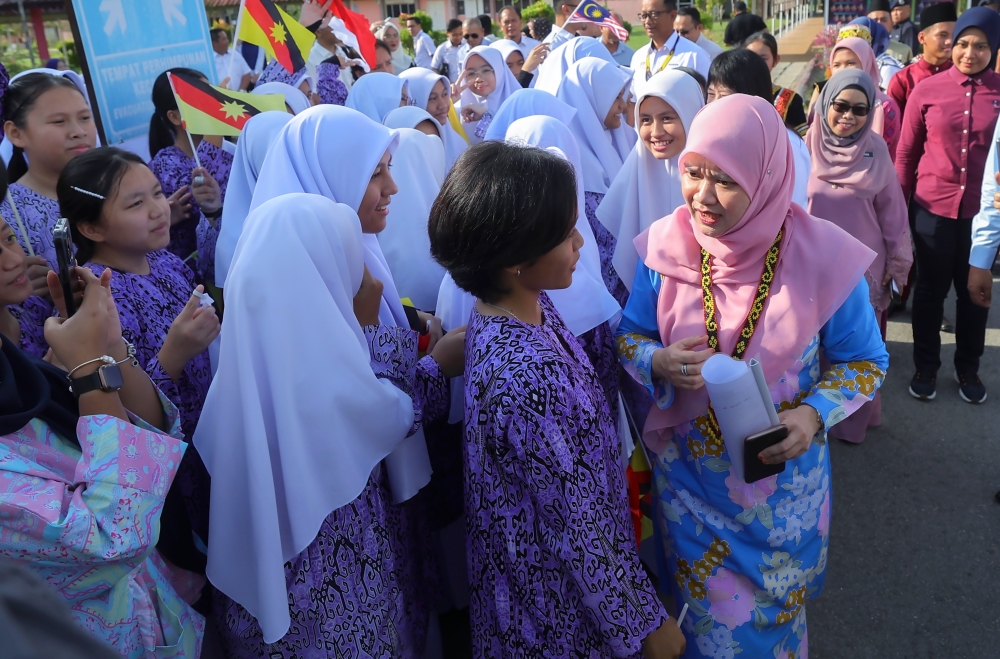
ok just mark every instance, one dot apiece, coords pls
pixel 236 41
pixel 194 151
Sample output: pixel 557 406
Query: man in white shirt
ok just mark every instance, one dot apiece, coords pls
pixel 452 52
pixel 620 51
pixel 510 23
pixel 666 47
pixel 688 25
pixel 423 45
pixel 562 31
pixel 229 64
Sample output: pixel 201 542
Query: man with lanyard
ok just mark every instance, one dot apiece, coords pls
pixel 937 22
pixel 666 48
pixel 903 29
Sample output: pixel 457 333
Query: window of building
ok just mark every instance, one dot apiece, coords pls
pixel 395 11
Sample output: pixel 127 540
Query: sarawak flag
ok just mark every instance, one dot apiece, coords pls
pixel 208 110
pixel 359 26
pixel 282 37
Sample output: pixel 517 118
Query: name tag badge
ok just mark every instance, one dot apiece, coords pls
pixel 869 154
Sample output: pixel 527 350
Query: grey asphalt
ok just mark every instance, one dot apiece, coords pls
pixel 914 570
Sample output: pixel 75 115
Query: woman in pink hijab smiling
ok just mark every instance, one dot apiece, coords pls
pixel 739 269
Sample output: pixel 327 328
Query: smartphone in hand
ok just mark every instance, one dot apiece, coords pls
pixel 64 255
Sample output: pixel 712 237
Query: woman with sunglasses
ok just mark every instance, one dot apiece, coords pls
pixel 853 184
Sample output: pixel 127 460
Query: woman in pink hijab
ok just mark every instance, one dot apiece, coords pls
pixel 739 269
pixel 887 119
pixel 853 184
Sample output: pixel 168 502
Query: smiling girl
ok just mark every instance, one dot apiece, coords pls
pixel 48 121
pixel 487 82
pixel 120 220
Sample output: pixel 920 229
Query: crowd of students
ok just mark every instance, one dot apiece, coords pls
pixel 432 340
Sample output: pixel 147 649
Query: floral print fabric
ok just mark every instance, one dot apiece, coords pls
pixel 553 564
pixel 86 519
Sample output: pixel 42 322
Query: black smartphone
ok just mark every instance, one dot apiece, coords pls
pixel 753 468
pixel 64 255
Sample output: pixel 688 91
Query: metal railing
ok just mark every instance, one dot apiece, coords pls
pixel 785 20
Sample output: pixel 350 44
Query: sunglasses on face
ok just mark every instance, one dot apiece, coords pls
pixel 856 110
pixel 471 36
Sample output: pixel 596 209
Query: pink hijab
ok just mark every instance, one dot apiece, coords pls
pixel 886 118
pixel 819 266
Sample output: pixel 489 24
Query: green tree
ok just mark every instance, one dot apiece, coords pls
pixel 540 9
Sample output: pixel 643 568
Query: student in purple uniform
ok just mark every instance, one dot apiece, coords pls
pixel 174 165
pixel 48 121
pixel 120 219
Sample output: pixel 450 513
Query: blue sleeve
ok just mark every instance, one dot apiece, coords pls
pixel 638 336
pixel 986 223
pixel 852 341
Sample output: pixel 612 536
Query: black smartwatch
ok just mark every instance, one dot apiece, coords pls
pixel 107 378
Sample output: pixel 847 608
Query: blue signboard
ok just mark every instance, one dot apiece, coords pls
pixel 127 43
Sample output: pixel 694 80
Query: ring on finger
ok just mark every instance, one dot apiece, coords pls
pixel 684 369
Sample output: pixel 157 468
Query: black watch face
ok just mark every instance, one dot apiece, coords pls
pixel 111 378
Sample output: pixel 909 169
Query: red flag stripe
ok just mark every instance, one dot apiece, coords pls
pixel 266 21
pixel 208 104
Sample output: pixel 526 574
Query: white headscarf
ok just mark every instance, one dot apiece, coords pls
pixel 295 420
pixel 400 60
pixel 553 71
pixel 647 189
pixel 587 302
pixel 507 84
pixel 506 48
pixel 254 142
pixel 410 116
pixel 376 94
pixel 422 82
pixel 592 86
pixel 294 98
pixel 418 170
pixel 308 156
pixel 527 103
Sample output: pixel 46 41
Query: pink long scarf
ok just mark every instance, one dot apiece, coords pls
pixel 818 268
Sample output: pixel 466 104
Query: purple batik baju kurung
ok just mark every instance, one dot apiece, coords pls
pixel 147 306
pixel 606 243
pixel 38 216
pixel 361 587
pixel 329 88
pixel 173 168
pixel 553 564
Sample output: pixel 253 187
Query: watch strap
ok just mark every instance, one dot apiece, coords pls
pixel 94 382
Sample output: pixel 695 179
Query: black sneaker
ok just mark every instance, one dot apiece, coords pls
pixel 923 386
pixel 970 388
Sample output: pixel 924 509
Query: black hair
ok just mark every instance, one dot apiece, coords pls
pixel 453 24
pixel 99 171
pixel 669 5
pixel 414 18
pixel 215 32
pixel 3 183
pixel 486 22
pixel 742 71
pixel 765 38
pixel 501 204
pixel 739 5
pixel 692 12
pixel 526 31
pixel 161 131
pixel 518 11
pixel 18 101
pixel 383 45
pixel 700 79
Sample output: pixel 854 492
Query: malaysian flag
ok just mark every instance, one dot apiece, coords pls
pixel 592 12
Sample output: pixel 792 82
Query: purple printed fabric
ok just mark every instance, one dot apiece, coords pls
pixel 606 243
pixel 206 235
pixel 599 345
pixel 84 515
pixel 553 565
pixel 275 72
pixel 38 216
pixel 364 586
pixel 147 306
pixel 173 168
pixel 329 87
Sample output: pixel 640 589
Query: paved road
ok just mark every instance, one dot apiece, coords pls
pixel 914 568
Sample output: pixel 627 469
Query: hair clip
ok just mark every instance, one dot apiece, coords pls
pixel 92 194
